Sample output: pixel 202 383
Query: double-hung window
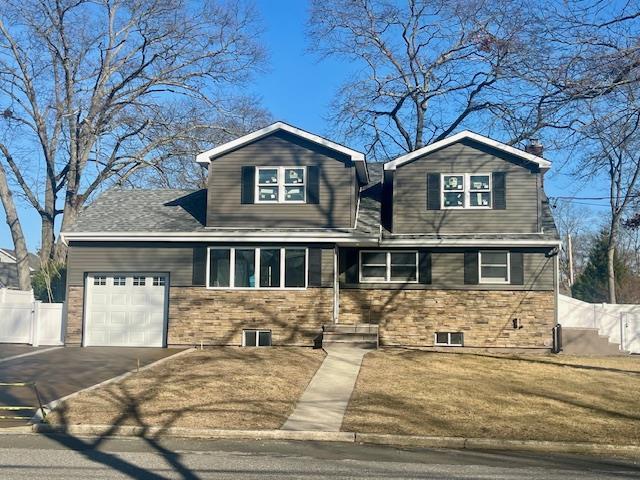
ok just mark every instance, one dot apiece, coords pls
pixel 261 267
pixel 388 266
pixel 281 185
pixel 464 190
pixel 494 266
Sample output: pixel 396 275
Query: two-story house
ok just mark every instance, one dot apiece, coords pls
pixel 297 240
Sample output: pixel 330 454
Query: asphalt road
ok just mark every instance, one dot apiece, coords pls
pixel 60 457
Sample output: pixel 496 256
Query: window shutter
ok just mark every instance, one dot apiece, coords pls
pixel 517 268
pixel 313 185
pixel 351 267
pixel 424 267
pixel 471 268
pixel 199 270
pixel 315 267
pixel 499 190
pixel 433 191
pixel 248 185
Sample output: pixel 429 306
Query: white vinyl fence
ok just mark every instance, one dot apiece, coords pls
pixel 26 320
pixel 621 323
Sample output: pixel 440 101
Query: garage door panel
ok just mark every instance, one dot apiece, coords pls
pixel 120 313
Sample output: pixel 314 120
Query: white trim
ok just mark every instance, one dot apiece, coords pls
pixel 280 185
pixel 448 344
pixel 468 243
pixel 387 266
pixel 358 157
pixel 466 134
pixel 232 261
pixel 493 281
pixel 466 191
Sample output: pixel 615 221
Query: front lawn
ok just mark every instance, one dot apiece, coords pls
pixel 537 397
pixel 226 387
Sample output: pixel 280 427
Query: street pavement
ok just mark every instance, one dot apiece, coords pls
pixel 61 457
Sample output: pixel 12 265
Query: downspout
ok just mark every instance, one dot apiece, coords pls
pixel 336 285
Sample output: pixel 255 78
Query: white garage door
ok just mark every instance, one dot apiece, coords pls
pixel 125 310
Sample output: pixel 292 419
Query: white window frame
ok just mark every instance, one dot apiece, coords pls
pixel 494 281
pixel 448 343
pixel 258 332
pixel 280 185
pixel 387 278
pixel 466 193
pixel 232 265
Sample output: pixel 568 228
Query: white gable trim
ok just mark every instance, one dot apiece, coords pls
pixel 358 157
pixel 466 134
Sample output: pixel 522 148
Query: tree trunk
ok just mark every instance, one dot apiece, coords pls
pixel 611 255
pixel 19 244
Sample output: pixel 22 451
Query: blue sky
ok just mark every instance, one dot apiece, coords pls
pixel 298 89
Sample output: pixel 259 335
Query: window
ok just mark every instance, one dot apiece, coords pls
pixel 139 281
pixel 466 190
pixel 159 281
pixel 449 338
pixel 247 268
pixel 99 280
pixel 119 281
pixel 388 266
pixel 280 185
pixel 494 266
pixel 256 338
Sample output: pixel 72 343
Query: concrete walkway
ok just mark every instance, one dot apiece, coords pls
pixel 323 404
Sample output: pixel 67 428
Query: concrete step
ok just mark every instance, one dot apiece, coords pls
pixel 351 328
pixel 587 341
pixel 350 337
pixel 346 343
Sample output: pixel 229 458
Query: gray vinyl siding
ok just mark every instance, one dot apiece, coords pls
pixel 337 183
pixel 410 214
pixel 447 273
pixel 176 259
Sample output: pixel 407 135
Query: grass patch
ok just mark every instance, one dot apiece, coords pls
pixel 226 387
pixel 538 397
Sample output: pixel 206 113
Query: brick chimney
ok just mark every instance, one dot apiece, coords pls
pixel 534 147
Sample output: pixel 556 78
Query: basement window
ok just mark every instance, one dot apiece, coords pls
pixel 256 338
pixel 450 339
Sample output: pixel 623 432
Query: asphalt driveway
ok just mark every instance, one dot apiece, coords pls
pixel 63 371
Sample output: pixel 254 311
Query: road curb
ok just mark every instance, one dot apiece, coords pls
pixel 201 433
pixel 456 443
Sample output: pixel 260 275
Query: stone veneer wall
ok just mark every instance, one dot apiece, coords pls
pixel 73 327
pixel 217 317
pixel 411 317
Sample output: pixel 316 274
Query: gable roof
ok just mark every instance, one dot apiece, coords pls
pixel 32 259
pixel 357 157
pixel 466 134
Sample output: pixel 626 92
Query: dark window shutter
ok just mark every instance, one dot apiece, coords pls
pixel 315 267
pixel 499 190
pixel 351 267
pixel 248 185
pixel 517 268
pixel 433 191
pixel 313 185
pixel 471 268
pixel 424 267
pixel 199 270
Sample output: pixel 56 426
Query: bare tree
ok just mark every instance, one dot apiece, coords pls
pixel 99 90
pixel 426 68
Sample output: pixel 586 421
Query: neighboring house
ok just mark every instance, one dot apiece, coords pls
pixel 451 245
pixel 9 270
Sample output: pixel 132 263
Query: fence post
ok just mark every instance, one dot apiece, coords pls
pixel 35 323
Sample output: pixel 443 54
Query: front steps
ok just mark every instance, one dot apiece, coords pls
pixel 587 341
pixel 363 335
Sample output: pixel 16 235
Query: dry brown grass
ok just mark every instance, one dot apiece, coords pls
pixel 536 397
pixel 228 388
